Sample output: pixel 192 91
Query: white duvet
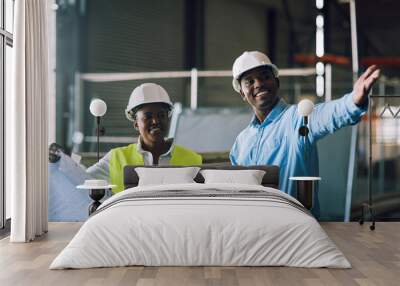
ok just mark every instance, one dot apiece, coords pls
pixel 185 230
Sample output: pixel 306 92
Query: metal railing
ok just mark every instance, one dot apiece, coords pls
pixel 193 75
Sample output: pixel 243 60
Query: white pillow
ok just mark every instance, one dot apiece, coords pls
pixel 163 176
pixel 248 177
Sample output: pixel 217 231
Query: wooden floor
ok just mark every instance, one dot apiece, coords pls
pixel 374 255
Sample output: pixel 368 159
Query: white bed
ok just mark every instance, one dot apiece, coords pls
pixel 203 225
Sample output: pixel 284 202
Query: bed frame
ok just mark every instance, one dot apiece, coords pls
pixel 270 179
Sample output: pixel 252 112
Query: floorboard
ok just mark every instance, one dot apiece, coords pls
pixel 374 255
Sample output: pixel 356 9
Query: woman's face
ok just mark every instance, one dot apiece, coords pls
pixel 152 122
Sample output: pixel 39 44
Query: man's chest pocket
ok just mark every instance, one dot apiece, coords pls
pixel 273 146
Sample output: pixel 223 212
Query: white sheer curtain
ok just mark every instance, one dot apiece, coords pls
pixel 27 145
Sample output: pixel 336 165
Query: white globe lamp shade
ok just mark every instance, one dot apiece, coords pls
pixel 98 107
pixel 305 107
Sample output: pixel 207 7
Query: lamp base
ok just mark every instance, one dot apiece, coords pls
pixel 305 187
pixel 96 195
pixel 305 193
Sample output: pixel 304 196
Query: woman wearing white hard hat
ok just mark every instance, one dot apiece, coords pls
pixel 149 108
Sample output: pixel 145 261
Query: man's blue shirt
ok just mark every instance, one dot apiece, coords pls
pixel 277 141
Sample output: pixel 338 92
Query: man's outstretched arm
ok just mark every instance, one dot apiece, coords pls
pixel 348 110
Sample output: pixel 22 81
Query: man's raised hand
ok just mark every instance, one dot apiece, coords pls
pixel 363 85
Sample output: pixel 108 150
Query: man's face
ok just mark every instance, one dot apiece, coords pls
pixel 152 121
pixel 259 88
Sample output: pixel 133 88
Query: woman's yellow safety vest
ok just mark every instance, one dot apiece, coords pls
pixel 128 155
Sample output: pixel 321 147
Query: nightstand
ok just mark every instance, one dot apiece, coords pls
pixel 305 187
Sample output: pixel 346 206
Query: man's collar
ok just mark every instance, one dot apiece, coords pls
pixel 272 116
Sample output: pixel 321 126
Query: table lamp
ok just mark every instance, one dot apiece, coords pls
pixel 98 108
pixel 305 185
pixel 304 108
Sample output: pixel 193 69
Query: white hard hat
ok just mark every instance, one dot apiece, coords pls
pixel 248 61
pixel 144 94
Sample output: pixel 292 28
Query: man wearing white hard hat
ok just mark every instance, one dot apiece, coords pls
pixel 149 109
pixel 272 137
